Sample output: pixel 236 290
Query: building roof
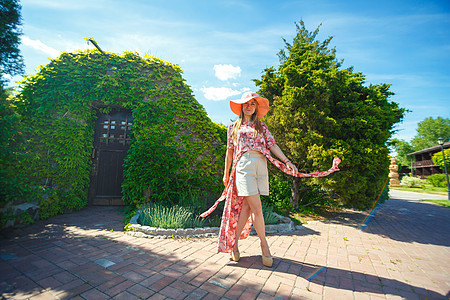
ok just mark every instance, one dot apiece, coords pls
pixel 431 149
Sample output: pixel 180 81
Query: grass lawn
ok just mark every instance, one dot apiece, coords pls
pixel 425 189
pixel 445 203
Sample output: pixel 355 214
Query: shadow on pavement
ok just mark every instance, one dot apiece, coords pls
pixel 404 220
pixel 341 279
pixel 80 255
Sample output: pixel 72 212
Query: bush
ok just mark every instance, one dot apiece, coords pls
pixel 280 193
pixel 319 110
pixel 412 182
pixel 437 180
pixel 160 216
pixel 310 194
pixel 193 199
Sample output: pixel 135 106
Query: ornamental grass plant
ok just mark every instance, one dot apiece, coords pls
pixel 161 216
pixel 269 217
pixel 185 215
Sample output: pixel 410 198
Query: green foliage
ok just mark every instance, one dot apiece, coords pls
pixel 174 144
pixel 437 180
pixel 319 111
pixel 22 218
pixel 11 61
pixel 444 203
pixel 402 148
pixel 428 132
pixel 438 159
pixel 193 199
pixel 280 193
pixel 13 157
pixel 411 181
pixel 160 216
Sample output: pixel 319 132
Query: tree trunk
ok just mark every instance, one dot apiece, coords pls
pixel 295 193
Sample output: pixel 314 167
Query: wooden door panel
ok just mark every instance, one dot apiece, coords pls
pixel 110 173
pixel 112 138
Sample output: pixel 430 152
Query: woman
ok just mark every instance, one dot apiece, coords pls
pixel 249 143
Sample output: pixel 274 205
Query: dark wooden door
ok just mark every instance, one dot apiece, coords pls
pixel 112 138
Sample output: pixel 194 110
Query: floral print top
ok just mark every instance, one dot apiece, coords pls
pixel 246 141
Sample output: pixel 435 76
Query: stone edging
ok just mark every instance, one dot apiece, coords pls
pixel 138 230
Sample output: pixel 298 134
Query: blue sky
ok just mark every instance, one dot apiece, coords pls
pixel 222 45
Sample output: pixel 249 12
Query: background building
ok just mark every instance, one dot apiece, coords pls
pixel 422 161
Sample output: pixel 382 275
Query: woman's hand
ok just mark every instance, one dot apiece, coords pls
pixel 291 166
pixel 226 178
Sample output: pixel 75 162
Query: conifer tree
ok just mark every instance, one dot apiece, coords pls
pixel 319 111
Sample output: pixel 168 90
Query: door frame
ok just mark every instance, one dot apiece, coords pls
pixel 95 160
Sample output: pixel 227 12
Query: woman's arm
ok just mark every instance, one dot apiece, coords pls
pixel 278 153
pixel 228 162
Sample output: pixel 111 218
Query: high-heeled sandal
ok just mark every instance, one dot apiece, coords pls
pixel 235 255
pixel 267 261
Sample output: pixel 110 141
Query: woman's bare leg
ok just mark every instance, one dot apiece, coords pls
pixel 254 202
pixel 243 217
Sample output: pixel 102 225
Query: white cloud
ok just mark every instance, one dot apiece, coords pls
pixel 224 72
pixel 40 46
pixel 218 94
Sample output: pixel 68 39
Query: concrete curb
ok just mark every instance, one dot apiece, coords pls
pixel 138 230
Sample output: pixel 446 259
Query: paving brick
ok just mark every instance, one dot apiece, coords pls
pixel 162 283
pixel 44 296
pixel 49 283
pixel 67 292
pixel 140 291
pixel 400 255
pixel 157 297
pixel 214 289
pixel 94 294
pixel 182 286
pixel 172 293
pixel 133 276
pixel 197 294
pixel 250 294
pixel 119 288
pixel 125 296
pixel 23 284
pixel 264 296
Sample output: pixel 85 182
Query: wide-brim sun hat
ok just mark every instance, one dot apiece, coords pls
pixel 263 104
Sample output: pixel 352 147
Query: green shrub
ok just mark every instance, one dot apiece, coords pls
pixel 280 193
pixel 437 180
pixel 174 145
pixel 161 216
pixel 193 199
pixel 412 181
pixel 310 194
pixel 319 110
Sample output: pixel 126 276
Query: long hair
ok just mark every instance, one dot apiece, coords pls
pixel 254 119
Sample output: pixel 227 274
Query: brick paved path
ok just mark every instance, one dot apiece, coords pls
pixel 402 254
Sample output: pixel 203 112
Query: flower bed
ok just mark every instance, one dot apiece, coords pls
pixel 134 228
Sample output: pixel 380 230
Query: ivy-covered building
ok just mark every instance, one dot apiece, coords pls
pixel 109 129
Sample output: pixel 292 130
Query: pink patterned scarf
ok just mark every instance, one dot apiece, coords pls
pixel 233 203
